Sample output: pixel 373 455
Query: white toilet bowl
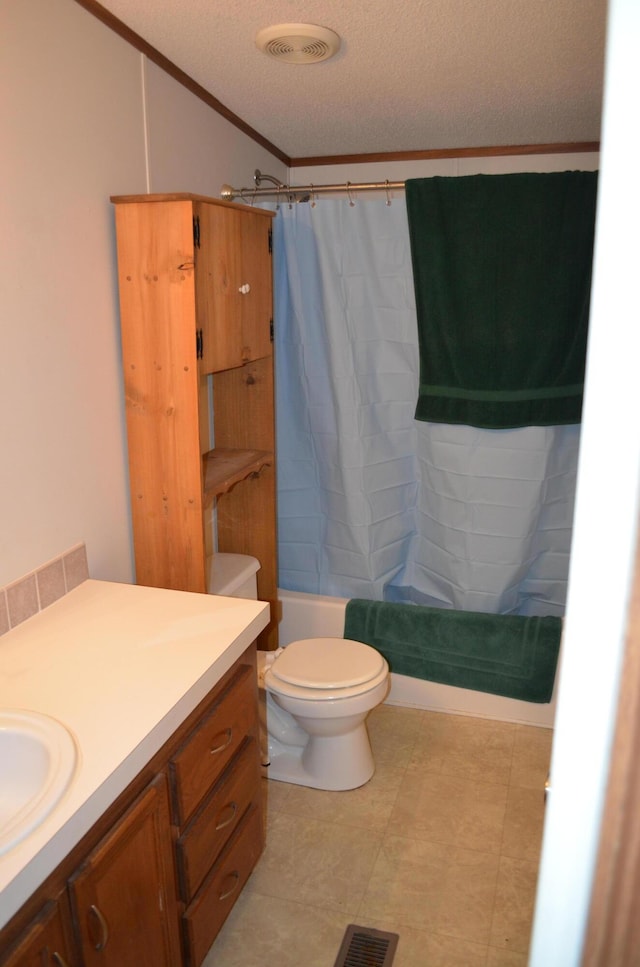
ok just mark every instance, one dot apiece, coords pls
pixel 315 695
pixel 318 692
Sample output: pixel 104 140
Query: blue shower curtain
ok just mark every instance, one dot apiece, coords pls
pixel 371 503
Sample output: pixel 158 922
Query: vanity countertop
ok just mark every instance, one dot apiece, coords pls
pixel 121 666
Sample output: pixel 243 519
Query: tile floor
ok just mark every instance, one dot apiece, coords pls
pixel 440 847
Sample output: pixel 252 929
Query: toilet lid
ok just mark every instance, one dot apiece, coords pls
pixel 327 663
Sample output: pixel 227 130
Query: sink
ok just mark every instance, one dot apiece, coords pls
pixel 37 762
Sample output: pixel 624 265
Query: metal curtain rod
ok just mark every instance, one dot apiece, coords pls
pixel 302 193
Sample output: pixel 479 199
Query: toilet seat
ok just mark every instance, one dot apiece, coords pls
pixel 324 669
pixel 327 663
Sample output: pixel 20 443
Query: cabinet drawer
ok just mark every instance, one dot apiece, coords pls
pixel 204 917
pixel 200 761
pixel 215 821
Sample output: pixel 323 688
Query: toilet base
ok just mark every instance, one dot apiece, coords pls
pixel 334 763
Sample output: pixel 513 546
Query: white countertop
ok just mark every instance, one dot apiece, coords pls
pixel 121 666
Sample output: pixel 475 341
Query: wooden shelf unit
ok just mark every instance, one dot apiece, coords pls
pixel 196 316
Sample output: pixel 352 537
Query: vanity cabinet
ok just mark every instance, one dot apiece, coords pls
pixel 152 883
pixel 195 282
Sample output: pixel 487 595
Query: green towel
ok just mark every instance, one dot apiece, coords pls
pixel 502 276
pixel 510 655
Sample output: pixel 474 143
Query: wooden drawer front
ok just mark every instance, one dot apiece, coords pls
pixel 204 755
pixel 211 827
pixel 204 917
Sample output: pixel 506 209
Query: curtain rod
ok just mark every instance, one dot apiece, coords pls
pixel 302 193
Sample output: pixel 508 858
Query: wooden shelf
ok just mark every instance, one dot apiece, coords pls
pixel 223 469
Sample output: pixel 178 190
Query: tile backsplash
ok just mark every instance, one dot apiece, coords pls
pixel 35 591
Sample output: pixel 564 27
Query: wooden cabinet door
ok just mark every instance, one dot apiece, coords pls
pixel 233 286
pixel 256 301
pixel 123 897
pixel 218 281
pixel 44 944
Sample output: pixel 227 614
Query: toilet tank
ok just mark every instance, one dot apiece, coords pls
pixel 233 575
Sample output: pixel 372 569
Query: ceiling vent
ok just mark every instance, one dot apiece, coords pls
pixel 298 43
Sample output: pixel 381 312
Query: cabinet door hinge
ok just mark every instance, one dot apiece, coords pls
pixel 196 231
pixel 271 330
pixel 199 344
pixel 270 241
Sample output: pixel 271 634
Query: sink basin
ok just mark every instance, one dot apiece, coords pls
pixel 37 762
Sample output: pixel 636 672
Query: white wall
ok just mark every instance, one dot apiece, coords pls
pixel 73 133
pixel 191 147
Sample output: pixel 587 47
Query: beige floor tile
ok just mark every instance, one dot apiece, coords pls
pixel 531 756
pixel 459 745
pixel 368 807
pixel 514 904
pixel 418 948
pixel 391 763
pixel 433 887
pixel 448 809
pixel 393 732
pixel 319 863
pixel 274 795
pixel 470 886
pixel 264 931
pixel 523 824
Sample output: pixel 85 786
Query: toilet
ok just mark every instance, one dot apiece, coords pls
pixel 315 695
pixel 318 693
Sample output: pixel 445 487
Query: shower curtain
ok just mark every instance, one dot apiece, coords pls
pixel 371 503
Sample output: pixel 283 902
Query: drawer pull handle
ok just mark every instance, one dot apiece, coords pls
pixel 104 929
pixel 228 733
pixel 233 806
pixel 234 886
pixel 58 959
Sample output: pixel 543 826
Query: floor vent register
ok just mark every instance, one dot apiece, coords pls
pixel 366 947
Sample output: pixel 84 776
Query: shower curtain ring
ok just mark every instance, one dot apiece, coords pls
pixel 386 189
pixel 351 201
pixel 313 197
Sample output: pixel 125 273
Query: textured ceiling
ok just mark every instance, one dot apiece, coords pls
pixel 416 75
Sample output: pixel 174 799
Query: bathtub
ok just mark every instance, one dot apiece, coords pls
pixel 318 616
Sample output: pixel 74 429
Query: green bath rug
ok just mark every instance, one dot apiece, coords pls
pixel 510 655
